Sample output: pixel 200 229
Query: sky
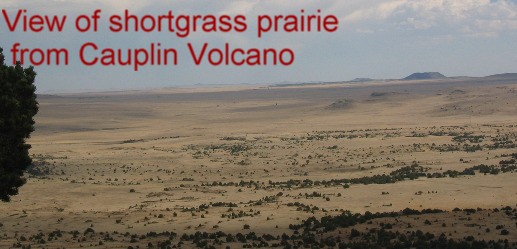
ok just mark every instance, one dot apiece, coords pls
pixel 383 39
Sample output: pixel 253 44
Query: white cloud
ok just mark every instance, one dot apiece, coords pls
pixel 467 16
pixel 239 8
pixel 464 16
pixel 381 11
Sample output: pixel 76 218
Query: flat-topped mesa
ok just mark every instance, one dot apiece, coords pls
pixel 425 76
pixel 503 75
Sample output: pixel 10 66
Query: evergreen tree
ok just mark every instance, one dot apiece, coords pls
pixel 18 105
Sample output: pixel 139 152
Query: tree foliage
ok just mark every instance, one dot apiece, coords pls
pixel 18 105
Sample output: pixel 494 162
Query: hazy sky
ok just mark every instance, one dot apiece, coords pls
pixel 376 39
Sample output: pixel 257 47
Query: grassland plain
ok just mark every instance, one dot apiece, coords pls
pixel 378 164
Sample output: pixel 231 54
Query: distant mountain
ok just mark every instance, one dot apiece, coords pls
pixel 361 80
pixel 288 83
pixel 504 75
pixel 425 76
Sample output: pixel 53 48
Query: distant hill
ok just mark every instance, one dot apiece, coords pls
pixel 361 80
pixel 504 75
pixel 425 76
pixel 341 104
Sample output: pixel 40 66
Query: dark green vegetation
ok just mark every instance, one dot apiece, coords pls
pixel 412 172
pixel 347 230
pixel 320 148
pixel 18 106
